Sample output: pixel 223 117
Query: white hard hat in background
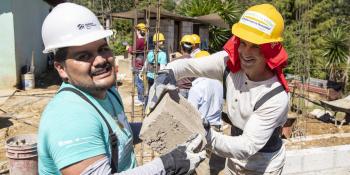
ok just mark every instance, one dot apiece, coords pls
pixel 70 24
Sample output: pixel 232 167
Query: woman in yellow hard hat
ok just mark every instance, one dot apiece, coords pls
pixel 256 90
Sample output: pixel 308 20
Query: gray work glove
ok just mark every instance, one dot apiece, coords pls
pixel 164 82
pixel 183 159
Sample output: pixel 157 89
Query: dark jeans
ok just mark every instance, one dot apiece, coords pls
pixel 139 86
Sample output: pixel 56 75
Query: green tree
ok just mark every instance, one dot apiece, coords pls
pixel 336 53
pixel 169 5
pixel 101 7
pixel 122 32
pixel 307 24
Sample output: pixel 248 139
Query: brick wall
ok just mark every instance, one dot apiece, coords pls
pixel 186 28
pixel 167 28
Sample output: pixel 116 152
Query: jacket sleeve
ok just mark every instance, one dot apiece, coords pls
pixel 154 167
pixel 256 132
pixel 211 66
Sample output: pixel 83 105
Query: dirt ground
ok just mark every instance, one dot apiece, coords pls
pixel 20 114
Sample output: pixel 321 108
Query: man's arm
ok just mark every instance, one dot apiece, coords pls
pixel 180 160
pixel 211 66
pixel 79 167
pixel 101 166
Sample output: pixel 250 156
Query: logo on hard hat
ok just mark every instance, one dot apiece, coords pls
pixel 258 21
pixel 86 26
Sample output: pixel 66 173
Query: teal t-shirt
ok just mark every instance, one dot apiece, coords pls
pixel 71 130
pixel 161 60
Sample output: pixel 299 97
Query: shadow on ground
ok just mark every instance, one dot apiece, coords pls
pixel 47 79
pixel 5 122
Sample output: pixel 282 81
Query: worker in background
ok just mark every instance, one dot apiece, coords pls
pixel 196 48
pixel 84 130
pixel 150 66
pixel 139 61
pixel 186 47
pixel 255 89
pixel 206 95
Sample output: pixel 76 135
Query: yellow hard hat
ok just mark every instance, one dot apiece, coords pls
pixel 141 26
pixel 187 39
pixel 201 53
pixel 160 37
pixel 260 24
pixel 196 38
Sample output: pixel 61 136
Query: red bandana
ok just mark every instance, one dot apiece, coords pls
pixel 274 53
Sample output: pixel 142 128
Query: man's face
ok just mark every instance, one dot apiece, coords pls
pixel 251 58
pixel 90 66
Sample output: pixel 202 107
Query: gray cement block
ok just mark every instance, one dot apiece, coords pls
pixel 342 156
pixel 318 161
pixel 171 123
pixel 294 163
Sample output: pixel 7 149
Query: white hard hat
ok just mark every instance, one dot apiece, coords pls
pixel 70 24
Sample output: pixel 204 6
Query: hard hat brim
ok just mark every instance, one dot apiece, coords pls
pixel 238 30
pixel 81 40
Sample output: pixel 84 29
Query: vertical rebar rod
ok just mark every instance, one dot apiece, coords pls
pixel 133 65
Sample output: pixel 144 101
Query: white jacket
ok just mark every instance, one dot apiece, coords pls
pixel 242 94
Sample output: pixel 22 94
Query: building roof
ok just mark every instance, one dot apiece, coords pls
pixel 212 19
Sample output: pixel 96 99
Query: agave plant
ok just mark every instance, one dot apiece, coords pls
pixel 228 10
pixel 336 52
pixel 218 37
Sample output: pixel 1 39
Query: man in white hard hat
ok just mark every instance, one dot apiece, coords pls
pixel 255 89
pixel 84 130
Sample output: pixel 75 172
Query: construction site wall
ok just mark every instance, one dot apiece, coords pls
pixel 186 28
pixel 20 34
pixel 28 18
pixel 167 28
pixel 8 73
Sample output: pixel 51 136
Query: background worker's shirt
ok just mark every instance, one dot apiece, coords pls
pixel 71 130
pixel 184 83
pixel 242 95
pixel 139 59
pixel 162 60
pixel 206 95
